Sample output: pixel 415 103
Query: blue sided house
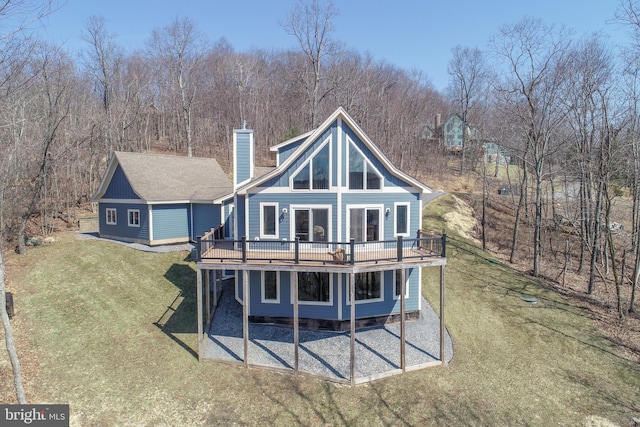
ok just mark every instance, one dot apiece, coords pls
pixel 331 238
pixel 160 199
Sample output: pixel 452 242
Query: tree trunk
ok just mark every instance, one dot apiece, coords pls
pixel 8 337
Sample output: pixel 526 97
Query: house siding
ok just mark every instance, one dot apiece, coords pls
pixel 285 308
pixel 287 200
pixel 205 217
pixel 240 217
pixel 121 229
pixel 119 187
pixel 285 152
pixel 389 304
pixel 244 155
pixel 171 222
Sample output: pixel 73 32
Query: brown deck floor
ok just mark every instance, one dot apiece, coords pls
pixel 389 256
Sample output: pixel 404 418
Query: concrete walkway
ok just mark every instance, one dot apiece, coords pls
pixel 322 353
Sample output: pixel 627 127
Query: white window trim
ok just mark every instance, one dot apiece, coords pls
pixel 292 223
pixel 406 285
pixel 380 208
pixel 277 217
pixel 367 165
pixel 370 300
pixel 395 219
pixel 115 216
pixel 308 162
pixel 324 303
pixel 129 211
pixel 262 289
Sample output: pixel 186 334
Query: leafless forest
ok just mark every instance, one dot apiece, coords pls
pixel 564 106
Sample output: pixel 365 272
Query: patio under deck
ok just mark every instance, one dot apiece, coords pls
pixel 322 353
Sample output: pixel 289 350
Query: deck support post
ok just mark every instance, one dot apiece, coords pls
pixel 199 302
pixel 245 315
pixel 352 344
pixel 403 322
pixel 296 322
pixel 215 289
pixel 442 330
pixel 207 295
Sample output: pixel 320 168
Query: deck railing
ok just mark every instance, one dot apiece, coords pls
pixel 210 247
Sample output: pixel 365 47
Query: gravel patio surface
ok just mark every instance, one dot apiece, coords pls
pixel 325 353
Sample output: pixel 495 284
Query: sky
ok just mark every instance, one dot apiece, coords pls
pixel 411 34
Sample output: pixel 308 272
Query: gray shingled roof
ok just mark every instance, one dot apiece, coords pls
pixel 163 178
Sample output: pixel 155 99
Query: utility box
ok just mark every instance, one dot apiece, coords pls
pixel 9 304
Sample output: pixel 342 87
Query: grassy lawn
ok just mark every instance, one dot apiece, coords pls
pixel 111 331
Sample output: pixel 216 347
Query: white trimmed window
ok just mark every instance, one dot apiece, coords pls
pixel 362 175
pixel 269 220
pixel 316 172
pixel 112 216
pixel 270 292
pixel 314 288
pixel 364 223
pixel 397 284
pixel 401 219
pixel 134 217
pixel 369 287
pixel 311 223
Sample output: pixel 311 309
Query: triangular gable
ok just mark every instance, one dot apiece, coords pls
pixel 340 113
pixel 113 169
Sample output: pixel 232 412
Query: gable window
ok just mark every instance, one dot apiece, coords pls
pixel 314 288
pixel 315 173
pixel 134 217
pixel 397 288
pixel 364 224
pixel 368 286
pixel 112 216
pixel 270 287
pixel 362 175
pixel 311 224
pixel 268 220
pixel 401 219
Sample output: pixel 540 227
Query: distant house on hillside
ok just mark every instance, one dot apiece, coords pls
pixel 160 199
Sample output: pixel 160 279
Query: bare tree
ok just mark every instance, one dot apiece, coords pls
pixel 49 87
pixel 179 51
pixel 20 13
pixel 534 59
pixel 102 60
pixel 312 25
pixel 468 80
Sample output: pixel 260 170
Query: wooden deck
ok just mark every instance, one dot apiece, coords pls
pixel 369 259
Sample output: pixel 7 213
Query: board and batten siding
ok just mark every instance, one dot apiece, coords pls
pixel 122 230
pixel 171 222
pixel 119 187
